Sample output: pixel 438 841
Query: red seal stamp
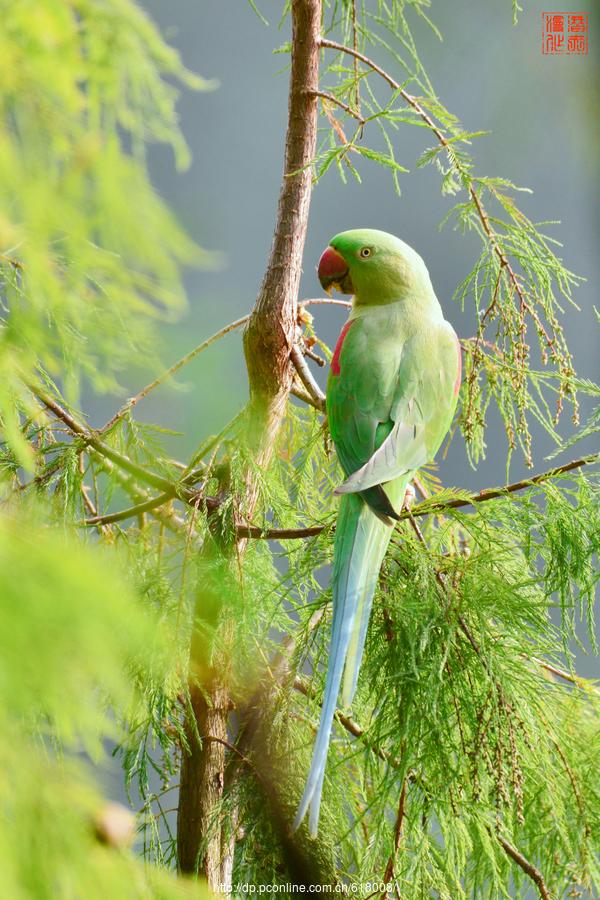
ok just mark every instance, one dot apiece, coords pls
pixel 564 33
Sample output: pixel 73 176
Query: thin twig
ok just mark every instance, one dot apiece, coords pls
pixel 389 869
pixel 325 96
pixel 174 523
pixel 13 262
pixel 112 462
pixel 163 812
pixel 278 534
pixel 133 511
pixel 347 723
pixel 421 488
pixel 412 101
pixel 315 358
pixel 307 379
pixel 529 869
pixel 554 670
pixel 219 334
pixel 175 368
pixel 355 45
pixel 301 394
pixel 154 797
pixel 242 758
pixel 328 300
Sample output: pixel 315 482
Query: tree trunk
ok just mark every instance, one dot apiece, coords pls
pixel 268 340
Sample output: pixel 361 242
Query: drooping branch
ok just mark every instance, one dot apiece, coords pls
pixel 527 293
pixel 529 869
pixel 447 145
pixel 197 350
pixel 123 462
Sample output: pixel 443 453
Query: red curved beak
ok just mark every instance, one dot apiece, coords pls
pixel 333 271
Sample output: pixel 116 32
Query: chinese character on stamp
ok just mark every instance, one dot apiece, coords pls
pixel 564 33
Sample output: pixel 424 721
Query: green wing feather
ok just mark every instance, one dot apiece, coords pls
pixel 419 414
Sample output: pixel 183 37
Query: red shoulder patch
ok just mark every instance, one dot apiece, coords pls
pixel 335 362
pixel 457 385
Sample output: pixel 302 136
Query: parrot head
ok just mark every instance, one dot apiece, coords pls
pixel 375 266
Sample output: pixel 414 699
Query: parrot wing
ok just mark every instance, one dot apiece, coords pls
pixel 360 392
pixel 420 411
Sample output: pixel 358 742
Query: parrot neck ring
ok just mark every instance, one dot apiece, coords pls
pixel 334 272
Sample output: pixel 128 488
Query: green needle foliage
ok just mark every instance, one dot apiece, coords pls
pixel 74 642
pixel 90 255
pixel 467 766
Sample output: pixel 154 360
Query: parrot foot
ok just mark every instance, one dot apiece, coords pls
pixel 409 496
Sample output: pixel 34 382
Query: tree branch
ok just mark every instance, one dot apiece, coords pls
pixel 210 504
pixel 307 379
pixel 529 869
pixel 329 300
pixel 389 869
pixel 123 462
pixel 147 506
pixel 344 106
pixel 485 495
pixel 175 368
pixel 554 670
pixel 305 396
pixel 172 522
pixel 347 723
pixel 186 359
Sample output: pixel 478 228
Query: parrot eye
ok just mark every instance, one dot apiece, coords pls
pixel 365 252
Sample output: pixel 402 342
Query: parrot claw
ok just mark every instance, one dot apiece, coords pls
pixel 409 496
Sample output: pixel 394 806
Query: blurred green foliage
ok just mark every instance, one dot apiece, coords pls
pixel 90 262
pixel 90 255
pixel 72 634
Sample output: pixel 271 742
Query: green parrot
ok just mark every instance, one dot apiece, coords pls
pixel 391 395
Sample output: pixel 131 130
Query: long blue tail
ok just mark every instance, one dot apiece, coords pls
pixel 361 540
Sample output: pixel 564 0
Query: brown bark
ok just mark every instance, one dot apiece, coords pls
pixel 199 839
pixel 268 341
pixel 271 330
